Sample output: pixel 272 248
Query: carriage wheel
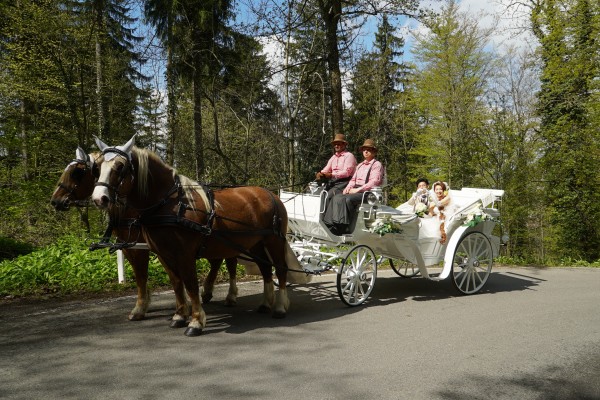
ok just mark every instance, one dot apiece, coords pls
pixel 472 263
pixel 405 269
pixel 357 274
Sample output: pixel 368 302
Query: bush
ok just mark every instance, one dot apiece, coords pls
pixel 10 248
pixel 69 267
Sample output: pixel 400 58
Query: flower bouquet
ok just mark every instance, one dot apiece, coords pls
pixel 476 217
pixel 421 210
pixel 383 226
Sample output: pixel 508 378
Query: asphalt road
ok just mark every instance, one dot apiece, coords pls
pixel 530 334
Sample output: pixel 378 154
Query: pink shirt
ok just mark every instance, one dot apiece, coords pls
pixel 359 178
pixel 341 165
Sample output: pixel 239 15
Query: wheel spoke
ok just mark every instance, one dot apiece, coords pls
pixel 472 263
pixel 357 275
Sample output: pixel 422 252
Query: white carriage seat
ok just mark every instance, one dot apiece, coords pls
pixel 465 202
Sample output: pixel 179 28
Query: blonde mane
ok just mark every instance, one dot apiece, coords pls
pixel 190 187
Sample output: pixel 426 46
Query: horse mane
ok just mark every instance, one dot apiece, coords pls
pixel 145 157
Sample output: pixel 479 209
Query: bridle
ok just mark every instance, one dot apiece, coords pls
pixel 123 173
pixel 76 175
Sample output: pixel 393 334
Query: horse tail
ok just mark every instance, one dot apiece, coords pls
pixel 280 220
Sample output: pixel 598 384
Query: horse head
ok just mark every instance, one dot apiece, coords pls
pixel 76 183
pixel 116 170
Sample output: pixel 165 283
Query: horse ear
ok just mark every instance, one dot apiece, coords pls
pixel 80 154
pixel 127 146
pixel 101 145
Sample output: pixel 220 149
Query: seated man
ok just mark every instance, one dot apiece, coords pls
pixel 368 175
pixel 421 199
pixel 339 168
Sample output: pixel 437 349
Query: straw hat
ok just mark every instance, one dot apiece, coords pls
pixel 369 144
pixel 339 138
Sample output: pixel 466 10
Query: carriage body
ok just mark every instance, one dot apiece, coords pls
pixel 467 254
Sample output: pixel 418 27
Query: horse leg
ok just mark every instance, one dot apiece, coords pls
pixel 267 274
pixel 182 310
pixel 139 262
pixel 275 246
pixel 190 280
pixel 209 282
pixel 231 298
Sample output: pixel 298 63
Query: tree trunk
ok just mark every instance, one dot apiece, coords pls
pixel 24 141
pixel 99 71
pixel 331 12
pixel 198 143
pixel 172 124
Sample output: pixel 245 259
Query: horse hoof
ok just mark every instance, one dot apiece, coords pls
pixel 206 298
pixel 178 323
pixel 193 331
pixel 278 314
pixel 136 317
pixel 264 309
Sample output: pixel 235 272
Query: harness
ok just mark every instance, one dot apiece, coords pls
pixel 148 217
pixel 77 171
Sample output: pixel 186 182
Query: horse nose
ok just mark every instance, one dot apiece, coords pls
pixel 60 205
pixel 102 202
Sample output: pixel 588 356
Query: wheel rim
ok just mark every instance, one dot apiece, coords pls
pixel 357 275
pixel 472 263
pixel 405 269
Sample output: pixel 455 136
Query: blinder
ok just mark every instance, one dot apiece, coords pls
pixel 127 169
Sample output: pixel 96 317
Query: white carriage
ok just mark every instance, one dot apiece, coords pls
pixel 412 243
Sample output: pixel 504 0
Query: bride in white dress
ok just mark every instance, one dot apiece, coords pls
pixel 441 207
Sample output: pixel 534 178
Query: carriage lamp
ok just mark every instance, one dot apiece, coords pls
pixel 375 196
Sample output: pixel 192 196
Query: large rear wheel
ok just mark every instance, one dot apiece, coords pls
pixel 472 263
pixel 357 274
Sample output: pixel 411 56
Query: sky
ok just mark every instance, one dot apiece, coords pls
pixel 510 29
pixel 510 22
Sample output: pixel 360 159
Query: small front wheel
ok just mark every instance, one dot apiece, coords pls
pixel 405 269
pixel 357 274
pixel 472 263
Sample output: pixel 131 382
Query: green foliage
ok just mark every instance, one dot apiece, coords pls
pixel 568 33
pixel 10 248
pixel 68 266
pixel 64 267
pixel 451 83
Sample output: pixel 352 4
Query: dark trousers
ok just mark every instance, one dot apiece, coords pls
pixel 340 211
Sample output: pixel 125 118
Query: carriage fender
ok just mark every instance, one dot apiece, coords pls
pixel 450 249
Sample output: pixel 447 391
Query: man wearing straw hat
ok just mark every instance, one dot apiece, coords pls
pixel 368 174
pixel 339 168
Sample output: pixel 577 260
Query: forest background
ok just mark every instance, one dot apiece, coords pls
pixel 196 85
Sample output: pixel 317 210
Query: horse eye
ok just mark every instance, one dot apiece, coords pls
pixel 77 173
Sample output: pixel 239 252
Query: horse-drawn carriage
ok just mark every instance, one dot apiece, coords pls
pixel 412 243
pixel 181 220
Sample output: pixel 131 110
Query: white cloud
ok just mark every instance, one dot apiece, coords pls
pixel 511 23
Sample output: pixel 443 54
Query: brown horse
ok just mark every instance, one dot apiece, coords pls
pixel 182 221
pixel 75 186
